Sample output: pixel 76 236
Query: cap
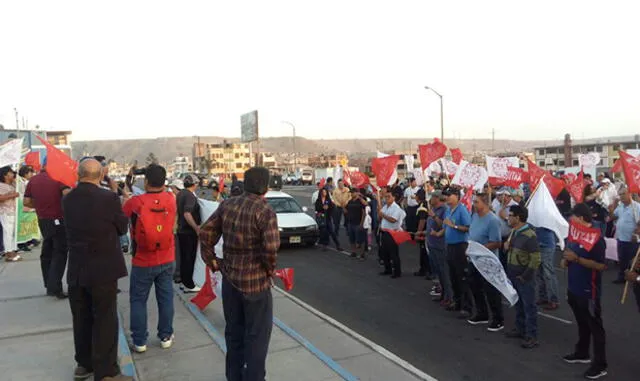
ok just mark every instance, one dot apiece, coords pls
pixel 606 181
pixel 178 184
pixel 504 191
pixel 189 181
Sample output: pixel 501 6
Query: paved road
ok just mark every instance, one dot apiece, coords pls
pixel 400 316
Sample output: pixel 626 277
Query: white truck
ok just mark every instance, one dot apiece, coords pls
pixel 307 176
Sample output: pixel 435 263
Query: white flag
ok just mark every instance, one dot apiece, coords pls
pixel 543 213
pixel 11 152
pixel 199 270
pixel 394 177
pixel 498 166
pixel 419 176
pixel 488 264
pixel 470 176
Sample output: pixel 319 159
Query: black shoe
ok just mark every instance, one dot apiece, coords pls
pixel 81 373
pixel 478 320
pixel 595 372
pixel 385 273
pixel 529 343
pixel 575 358
pixel 58 294
pixel 125 249
pixel 514 334
pixel 495 326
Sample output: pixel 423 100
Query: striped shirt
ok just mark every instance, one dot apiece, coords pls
pixel 249 228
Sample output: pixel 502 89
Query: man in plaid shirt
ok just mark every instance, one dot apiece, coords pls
pixel 251 240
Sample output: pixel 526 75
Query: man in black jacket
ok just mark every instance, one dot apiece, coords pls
pixel 94 221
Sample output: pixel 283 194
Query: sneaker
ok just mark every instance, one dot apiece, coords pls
pixel 514 334
pixel 595 372
pixel 140 348
pixel 193 290
pixel 167 342
pixel 463 315
pixel 435 293
pixel 575 358
pixel 495 327
pixel 529 343
pixel 81 373
pixel 478 320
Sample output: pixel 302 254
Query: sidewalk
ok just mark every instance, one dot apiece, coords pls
pixel 36 337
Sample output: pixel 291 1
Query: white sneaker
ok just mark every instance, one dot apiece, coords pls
pixel 167 343
pixel 192 290
pixel 139 348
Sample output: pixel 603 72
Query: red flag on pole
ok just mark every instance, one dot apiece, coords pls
pixel 576 188
pixel 323 182
pixel 583 235
pixel 60 167
pixel 400 236
pixel 456 155
pixel 515 177
pixel 32 159
pixel 631 170
pixel 206 294
pixel 536 173
pixel 359 180
pixel 431 152
pixel 286 275
pixel 467 199
pixel 221 185
pixel 383 168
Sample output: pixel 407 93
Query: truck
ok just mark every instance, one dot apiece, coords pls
pixel 306 177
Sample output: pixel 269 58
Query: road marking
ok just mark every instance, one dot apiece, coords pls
pixel 555 318
pixel 213 333
pixel 375 347
pixel 127 367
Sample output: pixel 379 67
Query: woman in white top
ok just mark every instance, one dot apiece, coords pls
pixel 8 196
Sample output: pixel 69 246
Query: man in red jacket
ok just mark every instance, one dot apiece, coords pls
pixel 152 216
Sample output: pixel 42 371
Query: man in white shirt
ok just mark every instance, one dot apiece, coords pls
pixel 314 196
pixel 391 217
pixel 412 205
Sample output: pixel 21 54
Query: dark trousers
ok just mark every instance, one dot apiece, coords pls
pixel 249 320
pixel 188 248
pixel 636 291
pixel 457 259
pixel 588 314
pixel 338 213
pixel 626 252
pixel 53 257
pixel 390 254
pixel 411 220
pixel 327 231
pixel 176 273
pixel 95 328
pixel 526 309
pixel 425 265
pixel 485 294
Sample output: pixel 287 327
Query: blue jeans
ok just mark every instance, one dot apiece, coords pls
pixel 357 235
pixel 626 252
pixel 142 278
pixel 526 310
pixel 439 257
pixel 546 276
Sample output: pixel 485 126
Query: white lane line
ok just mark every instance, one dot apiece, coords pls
pixel 555 318
pixel 375 347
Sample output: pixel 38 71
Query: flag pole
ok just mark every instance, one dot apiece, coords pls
pixel 526 205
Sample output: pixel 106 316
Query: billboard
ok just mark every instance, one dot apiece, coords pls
pixel 249 127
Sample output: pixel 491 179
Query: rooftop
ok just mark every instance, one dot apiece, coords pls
pixel 603 140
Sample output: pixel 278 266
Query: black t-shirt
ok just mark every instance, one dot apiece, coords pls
pixel 598 212
pixel 563 201
pixel 355 209
pixel 187 202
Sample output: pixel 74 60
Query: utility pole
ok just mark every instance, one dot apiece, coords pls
pixel 493 140
pixel 17 122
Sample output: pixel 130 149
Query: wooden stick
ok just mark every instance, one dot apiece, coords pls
pixel 626 284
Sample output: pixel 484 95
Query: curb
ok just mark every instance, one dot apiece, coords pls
pixel 125 360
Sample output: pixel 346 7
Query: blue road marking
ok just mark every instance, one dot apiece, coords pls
pixel 127 367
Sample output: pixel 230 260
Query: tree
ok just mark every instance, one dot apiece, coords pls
pixel 151 159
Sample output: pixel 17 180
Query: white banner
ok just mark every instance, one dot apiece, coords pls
pixel 418 175
pixel 489 266
pixel 589 160
pixel 206 210
pixel 470 176
pixel 543 213
pixel 497 166
pixel 11 152
pixel 450 167
pixel 409 161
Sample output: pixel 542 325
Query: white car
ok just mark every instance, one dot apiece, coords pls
pixel 295 225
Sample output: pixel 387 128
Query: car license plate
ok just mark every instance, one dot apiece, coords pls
pixel 294 240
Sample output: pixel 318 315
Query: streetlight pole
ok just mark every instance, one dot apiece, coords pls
pixel 295 161
pixel 441 113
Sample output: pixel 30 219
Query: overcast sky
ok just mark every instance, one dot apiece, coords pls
pixel 352 69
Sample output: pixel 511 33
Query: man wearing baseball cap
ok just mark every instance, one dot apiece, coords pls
pixel 188 231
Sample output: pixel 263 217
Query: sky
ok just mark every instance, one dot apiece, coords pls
pixel 335 69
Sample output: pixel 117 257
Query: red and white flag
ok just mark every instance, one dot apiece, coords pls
pixel 399 236
pixel 385 169
pixel 456 155
pixel 554 185
pixel 576 188
pixel 467 199
pixel 33 160
pixel 515 177
pixel 286 275
pixel 431 152
pixel 470 176
pixel 450 167
pixel 631 170
pixel 60 166
pixel 583 235
pixel 323 182
pixel 359 179
pixel 11 152
pixel 497 168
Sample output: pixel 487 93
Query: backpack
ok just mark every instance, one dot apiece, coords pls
pixel 154 227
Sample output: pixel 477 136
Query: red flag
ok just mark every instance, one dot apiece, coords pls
pixel 221 185
pixel 554 185
pixel 583 235
pixel 576 188
pixel 631 170
pixel 286 275
pixel 431 152
pixel 346 178
pixel 515 177
pixel 400 236
pixel 467 199
pixel 536 173
pixel 456 155
pixel 33 159
pixel 323 182
pixel 60 167
pixel 206 294
pixel 617 166
pixel 359 180
pixel 383 168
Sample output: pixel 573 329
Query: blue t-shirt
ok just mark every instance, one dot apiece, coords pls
pixel 628 218
pixel 546 238
pixel 459 216
pixel 485 229
pixel 584 282
pixel 432 241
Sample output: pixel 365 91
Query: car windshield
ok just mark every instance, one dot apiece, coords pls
pixel 284 205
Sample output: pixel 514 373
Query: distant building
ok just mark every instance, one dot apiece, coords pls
pixel 557 157
pixel 225 158
pixel 181 164
pixel 328 160
pixel 267 160
pixel 59 139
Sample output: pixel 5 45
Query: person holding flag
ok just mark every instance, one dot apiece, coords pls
pixel 8 196
pixel 391 217
pixel 584 293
